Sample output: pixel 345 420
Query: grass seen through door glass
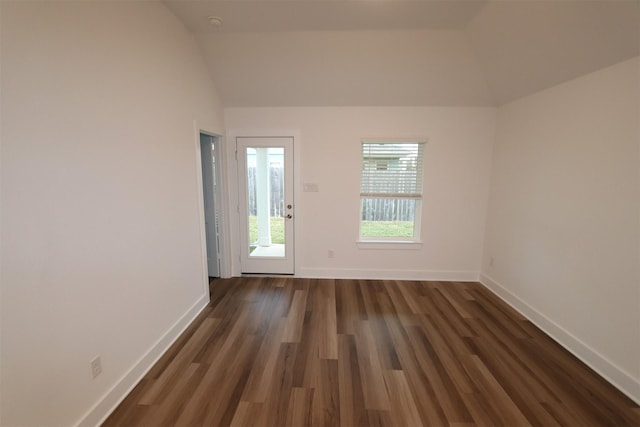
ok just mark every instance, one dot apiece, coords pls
pixel 277 229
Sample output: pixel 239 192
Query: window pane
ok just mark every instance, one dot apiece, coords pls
pixel 387 217
pixel 392 175
pixel 392 169
pixel 265 201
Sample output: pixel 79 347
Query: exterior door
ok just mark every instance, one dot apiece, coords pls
pixel 266 204
pixel 209 184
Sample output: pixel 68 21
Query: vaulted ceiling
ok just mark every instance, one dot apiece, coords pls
pixel 396 52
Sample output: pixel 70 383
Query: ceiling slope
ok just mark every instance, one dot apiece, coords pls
pixel 345 68
pixel 325 15
pixel 526 46
pixel 386 53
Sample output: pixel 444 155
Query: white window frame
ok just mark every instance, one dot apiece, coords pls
pixel 412 242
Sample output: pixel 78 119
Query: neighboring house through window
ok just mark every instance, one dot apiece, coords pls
pixel 391 190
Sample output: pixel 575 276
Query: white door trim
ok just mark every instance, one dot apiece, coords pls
pixel 222 206
pixel 274 258
pixel 232 190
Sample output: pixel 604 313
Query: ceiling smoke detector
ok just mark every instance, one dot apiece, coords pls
pixel 215 21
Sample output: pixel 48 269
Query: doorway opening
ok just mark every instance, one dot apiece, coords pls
pixel 210 158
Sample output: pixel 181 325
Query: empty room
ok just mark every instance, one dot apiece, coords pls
pixel 304 212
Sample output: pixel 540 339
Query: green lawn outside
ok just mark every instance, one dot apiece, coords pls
pixel 386 229
pixel 277 229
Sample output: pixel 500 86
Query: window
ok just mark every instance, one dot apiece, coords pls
pixel 391 190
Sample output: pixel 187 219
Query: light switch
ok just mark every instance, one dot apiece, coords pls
pixel 310 187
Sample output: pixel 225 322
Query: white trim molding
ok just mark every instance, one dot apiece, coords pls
pixel 370 274
pixel 121 389
pixel 622 380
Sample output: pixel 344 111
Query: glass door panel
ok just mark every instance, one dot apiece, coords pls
pixel 266 200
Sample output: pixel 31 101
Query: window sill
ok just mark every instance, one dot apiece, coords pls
pixel 389 244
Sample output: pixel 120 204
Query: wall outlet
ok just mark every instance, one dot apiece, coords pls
pixel 96 366
pixel 331 253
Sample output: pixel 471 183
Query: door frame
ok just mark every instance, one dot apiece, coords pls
pixel 235 241
pixel 252 264
pixel 224 249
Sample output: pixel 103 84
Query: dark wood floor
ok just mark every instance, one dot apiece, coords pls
pixel 296 352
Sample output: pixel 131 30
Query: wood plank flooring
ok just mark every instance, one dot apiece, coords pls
pixel 272 351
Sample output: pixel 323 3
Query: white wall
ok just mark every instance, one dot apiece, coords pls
pixel 101 238
pixel 345 68
pixel 457 171
pixel 563 225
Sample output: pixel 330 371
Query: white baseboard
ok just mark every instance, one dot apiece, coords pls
pixel 114 396
pixel 622 380
pixel 355 273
